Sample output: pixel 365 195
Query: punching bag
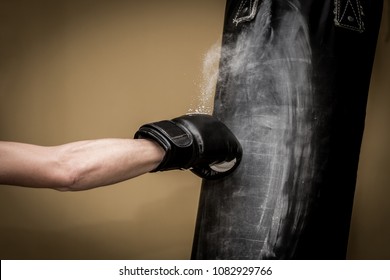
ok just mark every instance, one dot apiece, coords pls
pixel 293 84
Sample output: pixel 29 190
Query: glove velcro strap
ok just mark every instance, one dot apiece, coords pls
pixel 177 135
pixel 175 140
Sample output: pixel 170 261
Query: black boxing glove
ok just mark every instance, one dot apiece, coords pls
pixel 198 142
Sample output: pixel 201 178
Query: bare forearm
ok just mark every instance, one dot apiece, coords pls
pixel 108 161
pixel 79 165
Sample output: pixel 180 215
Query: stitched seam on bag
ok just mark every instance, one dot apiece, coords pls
pixel 253 9
pixel 344 20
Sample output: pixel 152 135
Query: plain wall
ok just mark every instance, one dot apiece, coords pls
pixel 370 226
pixel 73 70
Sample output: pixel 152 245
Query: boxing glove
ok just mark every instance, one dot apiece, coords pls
pixel 197 142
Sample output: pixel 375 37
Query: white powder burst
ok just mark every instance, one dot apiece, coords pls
pixel 204 102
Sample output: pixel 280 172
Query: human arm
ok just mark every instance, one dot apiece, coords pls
pixel 200 143
pixel 78 165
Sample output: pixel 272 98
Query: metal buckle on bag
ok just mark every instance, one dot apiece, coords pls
pixel 246 11
pixel 349 14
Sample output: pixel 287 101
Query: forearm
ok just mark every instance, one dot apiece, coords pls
pixel 107 161
pixel 79 165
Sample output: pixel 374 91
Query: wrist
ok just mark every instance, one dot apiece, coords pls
pixel 153 151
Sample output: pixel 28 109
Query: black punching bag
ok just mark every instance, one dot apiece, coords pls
pixel 293 84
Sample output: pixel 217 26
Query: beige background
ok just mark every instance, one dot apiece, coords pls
pixel 73 70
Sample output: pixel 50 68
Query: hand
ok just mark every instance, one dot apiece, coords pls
pixel 198 142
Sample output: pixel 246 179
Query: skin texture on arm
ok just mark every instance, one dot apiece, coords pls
pixel 79 165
